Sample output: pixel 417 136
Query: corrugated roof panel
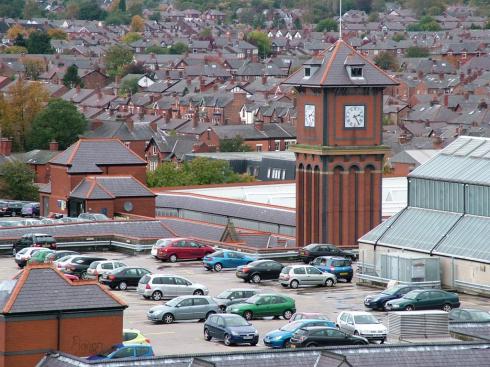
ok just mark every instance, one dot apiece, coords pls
pixel 470 147
pixel 419 229
pixel 373 235
pixel 468 239
pixel 481 151
pixel 455 145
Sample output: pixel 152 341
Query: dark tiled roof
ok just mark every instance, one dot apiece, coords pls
pixel 87 154
pixel 30 295
pixel 107 187
pixel 250 132
pixel 186 228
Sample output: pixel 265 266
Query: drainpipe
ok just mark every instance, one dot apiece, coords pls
pixel 58 341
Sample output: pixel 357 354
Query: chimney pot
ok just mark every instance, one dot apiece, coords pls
pixel 53 146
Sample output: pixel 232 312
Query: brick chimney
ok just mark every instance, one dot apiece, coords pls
pixel 436 142
pixel 259 125
pixel 54 146
pixel 264 79
pixel 5 146
pixel 130 123
pixel 446 100
pixel 195 120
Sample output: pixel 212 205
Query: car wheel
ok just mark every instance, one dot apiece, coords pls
pixel 382 341
pixel 168 318
pixel 112 287
pixel 287 314
pixel 227 340
pixel 218 267
pixel 173 258
pixel 123 286
pixel 294 284
pixel 207 337
pixel 329 282
pixel 348 280
pixel 447 307
pixel 284 285
pixel 99 278
pixel 248 315
pixel 256 278
pixel 356 333
pixel 157 296
pixel 198 292
pixel 311 345
pixel 209 314
pixel 253 344
pixel 409 308
pixel 222 308
pixel 84 275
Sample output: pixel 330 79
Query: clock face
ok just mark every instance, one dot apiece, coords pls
pixel 354 116
pixel 309 115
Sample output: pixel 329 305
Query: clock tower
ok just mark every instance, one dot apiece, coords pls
pixel 339 151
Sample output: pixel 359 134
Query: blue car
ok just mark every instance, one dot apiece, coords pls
pixel 226 259
pixel 341 267
pixel 280 338
pixel 125 351
pixel 232 329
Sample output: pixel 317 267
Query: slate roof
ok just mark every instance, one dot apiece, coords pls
pixel 251 132
pixel 332 70
pixel 29 294
pixel 86 155
pixel 110 187
pixel 120 130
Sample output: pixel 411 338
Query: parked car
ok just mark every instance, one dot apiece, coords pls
pixel 34 240
pixel 425 299
pixel 300 275
pixel 63 261
pixel 134 336
pixel 124 277
pixel 93 217
pixel 23 256
pixel 174 249
pixel 341 267
pixel 263 305
pixel 30 222
pixel 259 270
pixel 280 338
pixel 78 265
pixel 159 286
pixel 183 308
pixel 226 259
pixel 3 208
pixel 98 268
pixel 232 329
pixel 71 277
pixel 232 296
pixel 125 351
pixel 468 315
pixel 10 223
pixel 362 323
pixel 378 301
pixel 40 256
pixel 308 316
pixel 30 210
pixel 13 209
pixel 310 252
pixel 319 336
pixel 56 255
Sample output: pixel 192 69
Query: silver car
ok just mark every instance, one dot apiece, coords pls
pixel 159 286
pixel 183 308
pixel 298 275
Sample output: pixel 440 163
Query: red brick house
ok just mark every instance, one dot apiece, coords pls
pixel 82 319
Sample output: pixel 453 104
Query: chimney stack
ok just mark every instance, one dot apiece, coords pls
pixel 130 123
pixel 53 146
pixel 264 79
pixel 5 146
pixel 195 120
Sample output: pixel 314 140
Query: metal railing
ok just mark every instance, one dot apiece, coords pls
pixel 378 279
pixel 472 286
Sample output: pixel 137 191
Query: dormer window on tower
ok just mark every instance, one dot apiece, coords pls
pixel 354 66
pixel 310 67
pixel 356 72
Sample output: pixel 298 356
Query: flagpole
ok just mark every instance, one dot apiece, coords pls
pixel 340 20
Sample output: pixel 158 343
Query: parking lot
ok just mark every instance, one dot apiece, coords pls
pixel 187 337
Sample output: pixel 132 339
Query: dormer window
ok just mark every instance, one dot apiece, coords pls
pixel 307 72
pixel 356 72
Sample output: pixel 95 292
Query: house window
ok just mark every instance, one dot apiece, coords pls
pixel 268 173
pixel 153 165
pixel 307 72
pixel 464 55
pixel 289 142
pixel 258 147
pixel 153 150
pixel 356 72
pixel 127 144
pixel 277 145
pixel 283 174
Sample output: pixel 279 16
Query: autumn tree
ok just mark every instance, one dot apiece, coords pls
pixel 33 67
pixel 131 37
pixel 72 10
pixel 15 30
pixel 116 59
pixel 15 50
pixel 386 61
pixel 137 24
pixel 57 34
pixel 262 42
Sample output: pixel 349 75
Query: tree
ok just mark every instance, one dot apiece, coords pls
pixel 327 25
pixel 487 26
pixel 365 5
pixel 15 50
pixel 17 182
pixel 32 10
pixel 57 34
pixel 297 24
pixel 178 48
pixel 122 6
pixel 137 24
pixel 386 61
pixel 15 31
pixel 59 121
pixel 129 87
pixel 415 51
pixel 206 34
pixel 262 42
pixel 11 8
pixel 397 37
pixel 72 10
pixel 155 16
pixel 373 17
pixel 33 67
pixel 425 24
pixel 136 8
pixel 157 50
pixel 200 171
pixel 235 144
pixel 90 10
pixel 39 43
pixel 117 18
pixel 116 59
pixel 71 78
pixel 20 41
pixel 131 37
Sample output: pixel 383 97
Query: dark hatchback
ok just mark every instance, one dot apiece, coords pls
pixel 232 329
pixel 78 265
pixel 312 251
pixel 34 240
pixel 259 270
pixel 378 301
pixel 320 336
pixel 14 208
pixel 124 277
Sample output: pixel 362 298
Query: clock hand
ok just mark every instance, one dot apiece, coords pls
pixel 358 123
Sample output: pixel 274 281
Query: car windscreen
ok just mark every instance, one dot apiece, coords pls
pixel 145 279
pixel 253 299
pixel 224 295
pixel 291 326
pixel 285 270
pixel 216 254
pixel 236 321
pixel 480 316
pixel 107 352
pixel 365 319
pixel 391 291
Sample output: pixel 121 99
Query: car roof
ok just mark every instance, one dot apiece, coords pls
pixel 192 296
pixel 37 234
pixel 357 313
pixel 319 327
pixel 229 315
pixel 173 238
pixel 241 289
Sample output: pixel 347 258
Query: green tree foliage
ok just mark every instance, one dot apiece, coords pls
pixel 39 43
pixel 122 6
pixel 178 48
pixel 424 7
pixel 32 10
pixel 426 24
pixel 417 52
pixel 397 37
pixel 136 8
pixel 235 144
pixel 116 59
pixel 156 16
pixel 386 61
pixel 297 24
pixel 59 121
pixel 90 10
pixel 20 41
pixel 327 25
pixel 262 42
pixel 11 8
pixel 131 37
pixel 128 87
pixel 157 50
pixel 17 182
pixel 71 78
pixel 117 18
pixel 488 25
pixel 200 171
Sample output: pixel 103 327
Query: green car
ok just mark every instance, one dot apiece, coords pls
pixel 262 305
pixel 424 299
pixel 40 256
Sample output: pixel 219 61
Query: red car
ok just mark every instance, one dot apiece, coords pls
pixel 174 249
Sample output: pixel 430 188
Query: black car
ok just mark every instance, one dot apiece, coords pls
pixel 259 270
pixel 378 301
pixel 59 254
pixel 78 265
pixel 124 277
pixel 3 208
pixel 312 251
pixel 319 336
pixel 14 208
pixel 34 240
